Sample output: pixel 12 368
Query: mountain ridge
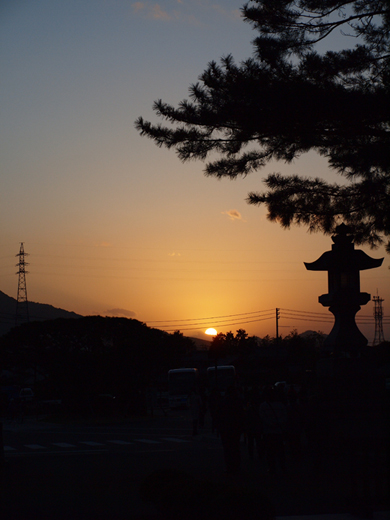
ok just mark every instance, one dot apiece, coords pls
pixel 37 312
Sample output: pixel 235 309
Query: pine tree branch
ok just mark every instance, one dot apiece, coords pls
pixel 289 99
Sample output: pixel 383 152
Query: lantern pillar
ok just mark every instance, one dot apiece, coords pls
pixel 343 264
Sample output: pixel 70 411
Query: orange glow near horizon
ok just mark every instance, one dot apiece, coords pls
pixel 124 228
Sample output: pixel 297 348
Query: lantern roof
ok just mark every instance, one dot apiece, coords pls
pixel 343 255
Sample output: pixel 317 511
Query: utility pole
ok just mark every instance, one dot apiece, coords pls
pixel 378 315
pixel 21 300
pixel 277 315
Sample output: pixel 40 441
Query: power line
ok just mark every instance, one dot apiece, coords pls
pixel 223 320
pixel 322 314
pixel 213 317
pixel 323 317
pixel 304 312
pixel 302 318
pixel 188 324
pixel 213 321
pixel 226 324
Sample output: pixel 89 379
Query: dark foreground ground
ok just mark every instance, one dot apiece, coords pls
pixel 111 485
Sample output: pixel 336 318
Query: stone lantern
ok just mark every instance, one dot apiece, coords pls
pixel 344 298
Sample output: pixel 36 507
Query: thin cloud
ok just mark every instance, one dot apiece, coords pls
pixel 220 8
pixel 120 313
pixel 233 214
pixel 138 6
pixel 158 14
pixel 192 11
pixel 151 11
pixel 234 14
pixel 174 254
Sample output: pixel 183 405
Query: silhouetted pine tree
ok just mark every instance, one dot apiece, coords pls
pixel 289 99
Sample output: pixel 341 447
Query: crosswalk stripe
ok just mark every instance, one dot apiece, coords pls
pixel 174 439
pixel 122 443
pixel 119 442
pixel 148 441
pixel 91 443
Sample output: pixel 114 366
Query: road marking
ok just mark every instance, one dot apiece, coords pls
pixel 91 443
pixel 9 448
pixel 63 445
pixel 174 439
pixel 148 441
pixel 59 453
pixel 121 443
pixel 35 447
pixel 212 436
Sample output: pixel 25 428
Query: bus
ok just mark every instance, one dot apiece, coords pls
pixel 225 377
pixel 181 381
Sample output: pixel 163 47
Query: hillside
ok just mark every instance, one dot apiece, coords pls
pixel 37 312
pixel 201 344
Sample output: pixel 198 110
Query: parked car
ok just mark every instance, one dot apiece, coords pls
pixel 26 394
pixel 104 404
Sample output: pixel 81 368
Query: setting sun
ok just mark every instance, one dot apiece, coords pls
pixel 211 332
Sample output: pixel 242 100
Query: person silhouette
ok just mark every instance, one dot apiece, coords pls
pixel 231 427
pixel 273 415
pixel 195 405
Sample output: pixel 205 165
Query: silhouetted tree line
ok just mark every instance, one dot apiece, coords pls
pixel 260 361
pixel 304 350
pixel 78 360
pixel 299 348
pixel 284 355
pixel 230 344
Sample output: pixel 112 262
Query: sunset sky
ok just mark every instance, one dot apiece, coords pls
pixel 116 226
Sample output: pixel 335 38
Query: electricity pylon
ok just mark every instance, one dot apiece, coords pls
pixel 21 300
pixel 378 315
